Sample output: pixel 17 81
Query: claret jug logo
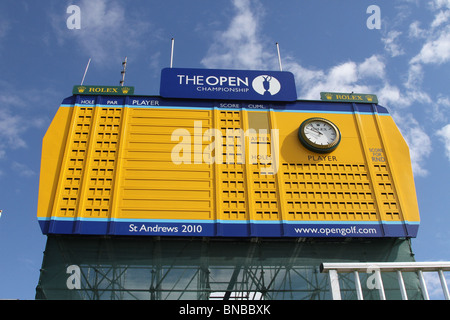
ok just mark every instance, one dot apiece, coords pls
pixel 266 85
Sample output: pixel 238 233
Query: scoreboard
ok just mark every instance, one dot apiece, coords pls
pixel 157 166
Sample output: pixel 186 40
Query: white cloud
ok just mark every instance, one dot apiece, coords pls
pixel 395 97
pixel 349 76
pixel 415 31
pixel 435 51
pixel 391 43
pixel 434 286
pixel 304 77
pixel 444 135
pixel 345 73
pixel 392 95
pixel 239 46
pixel 419 143
pixel 22 169
pixel 352 76
pixel 4 27
pixel 444 101
pixel 414 92
pixel 441 18
pixel 105 30
pixel 415 76
pixel 440 109
pixel 18 113
pixel 12 126
pixel 439 4
pixel 372 67
pixel 419 148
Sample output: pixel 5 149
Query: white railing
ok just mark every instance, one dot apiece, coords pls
pixel 375 268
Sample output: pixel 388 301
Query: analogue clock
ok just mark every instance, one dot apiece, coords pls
pixel 319 135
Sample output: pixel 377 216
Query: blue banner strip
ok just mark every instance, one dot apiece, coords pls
pixel 224 228
pixel 159 102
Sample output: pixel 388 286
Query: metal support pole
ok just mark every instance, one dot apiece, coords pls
pixel 401 284
pixel 379 283
pixel 444 285
pixel 423 286
pixel 398 267
pixel 334 284
pixel 279 56
pixel 85 71
pixel 124 64
pixel 171 53
pixel 358 286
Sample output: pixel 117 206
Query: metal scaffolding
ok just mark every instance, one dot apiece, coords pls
pixel 99 268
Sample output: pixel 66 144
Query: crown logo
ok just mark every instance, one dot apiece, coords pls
pixel 125 90
pixel 329 96
pixel 81 89
pixel 369 98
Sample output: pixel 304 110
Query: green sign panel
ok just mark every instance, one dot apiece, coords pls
pixel 349 97
pixel 106 90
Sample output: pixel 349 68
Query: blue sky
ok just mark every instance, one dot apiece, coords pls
pixel 326 44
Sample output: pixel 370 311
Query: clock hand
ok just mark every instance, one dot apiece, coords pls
pixel 314 129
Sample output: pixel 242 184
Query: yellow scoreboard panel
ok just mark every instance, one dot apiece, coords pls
pixel 145 165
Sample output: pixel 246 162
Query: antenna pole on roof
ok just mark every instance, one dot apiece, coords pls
pixel 85 71
pixel 124 64
pixel 279 57
pixel 171 53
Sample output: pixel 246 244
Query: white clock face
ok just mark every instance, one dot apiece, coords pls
pixel 320 132
pixel 319 135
